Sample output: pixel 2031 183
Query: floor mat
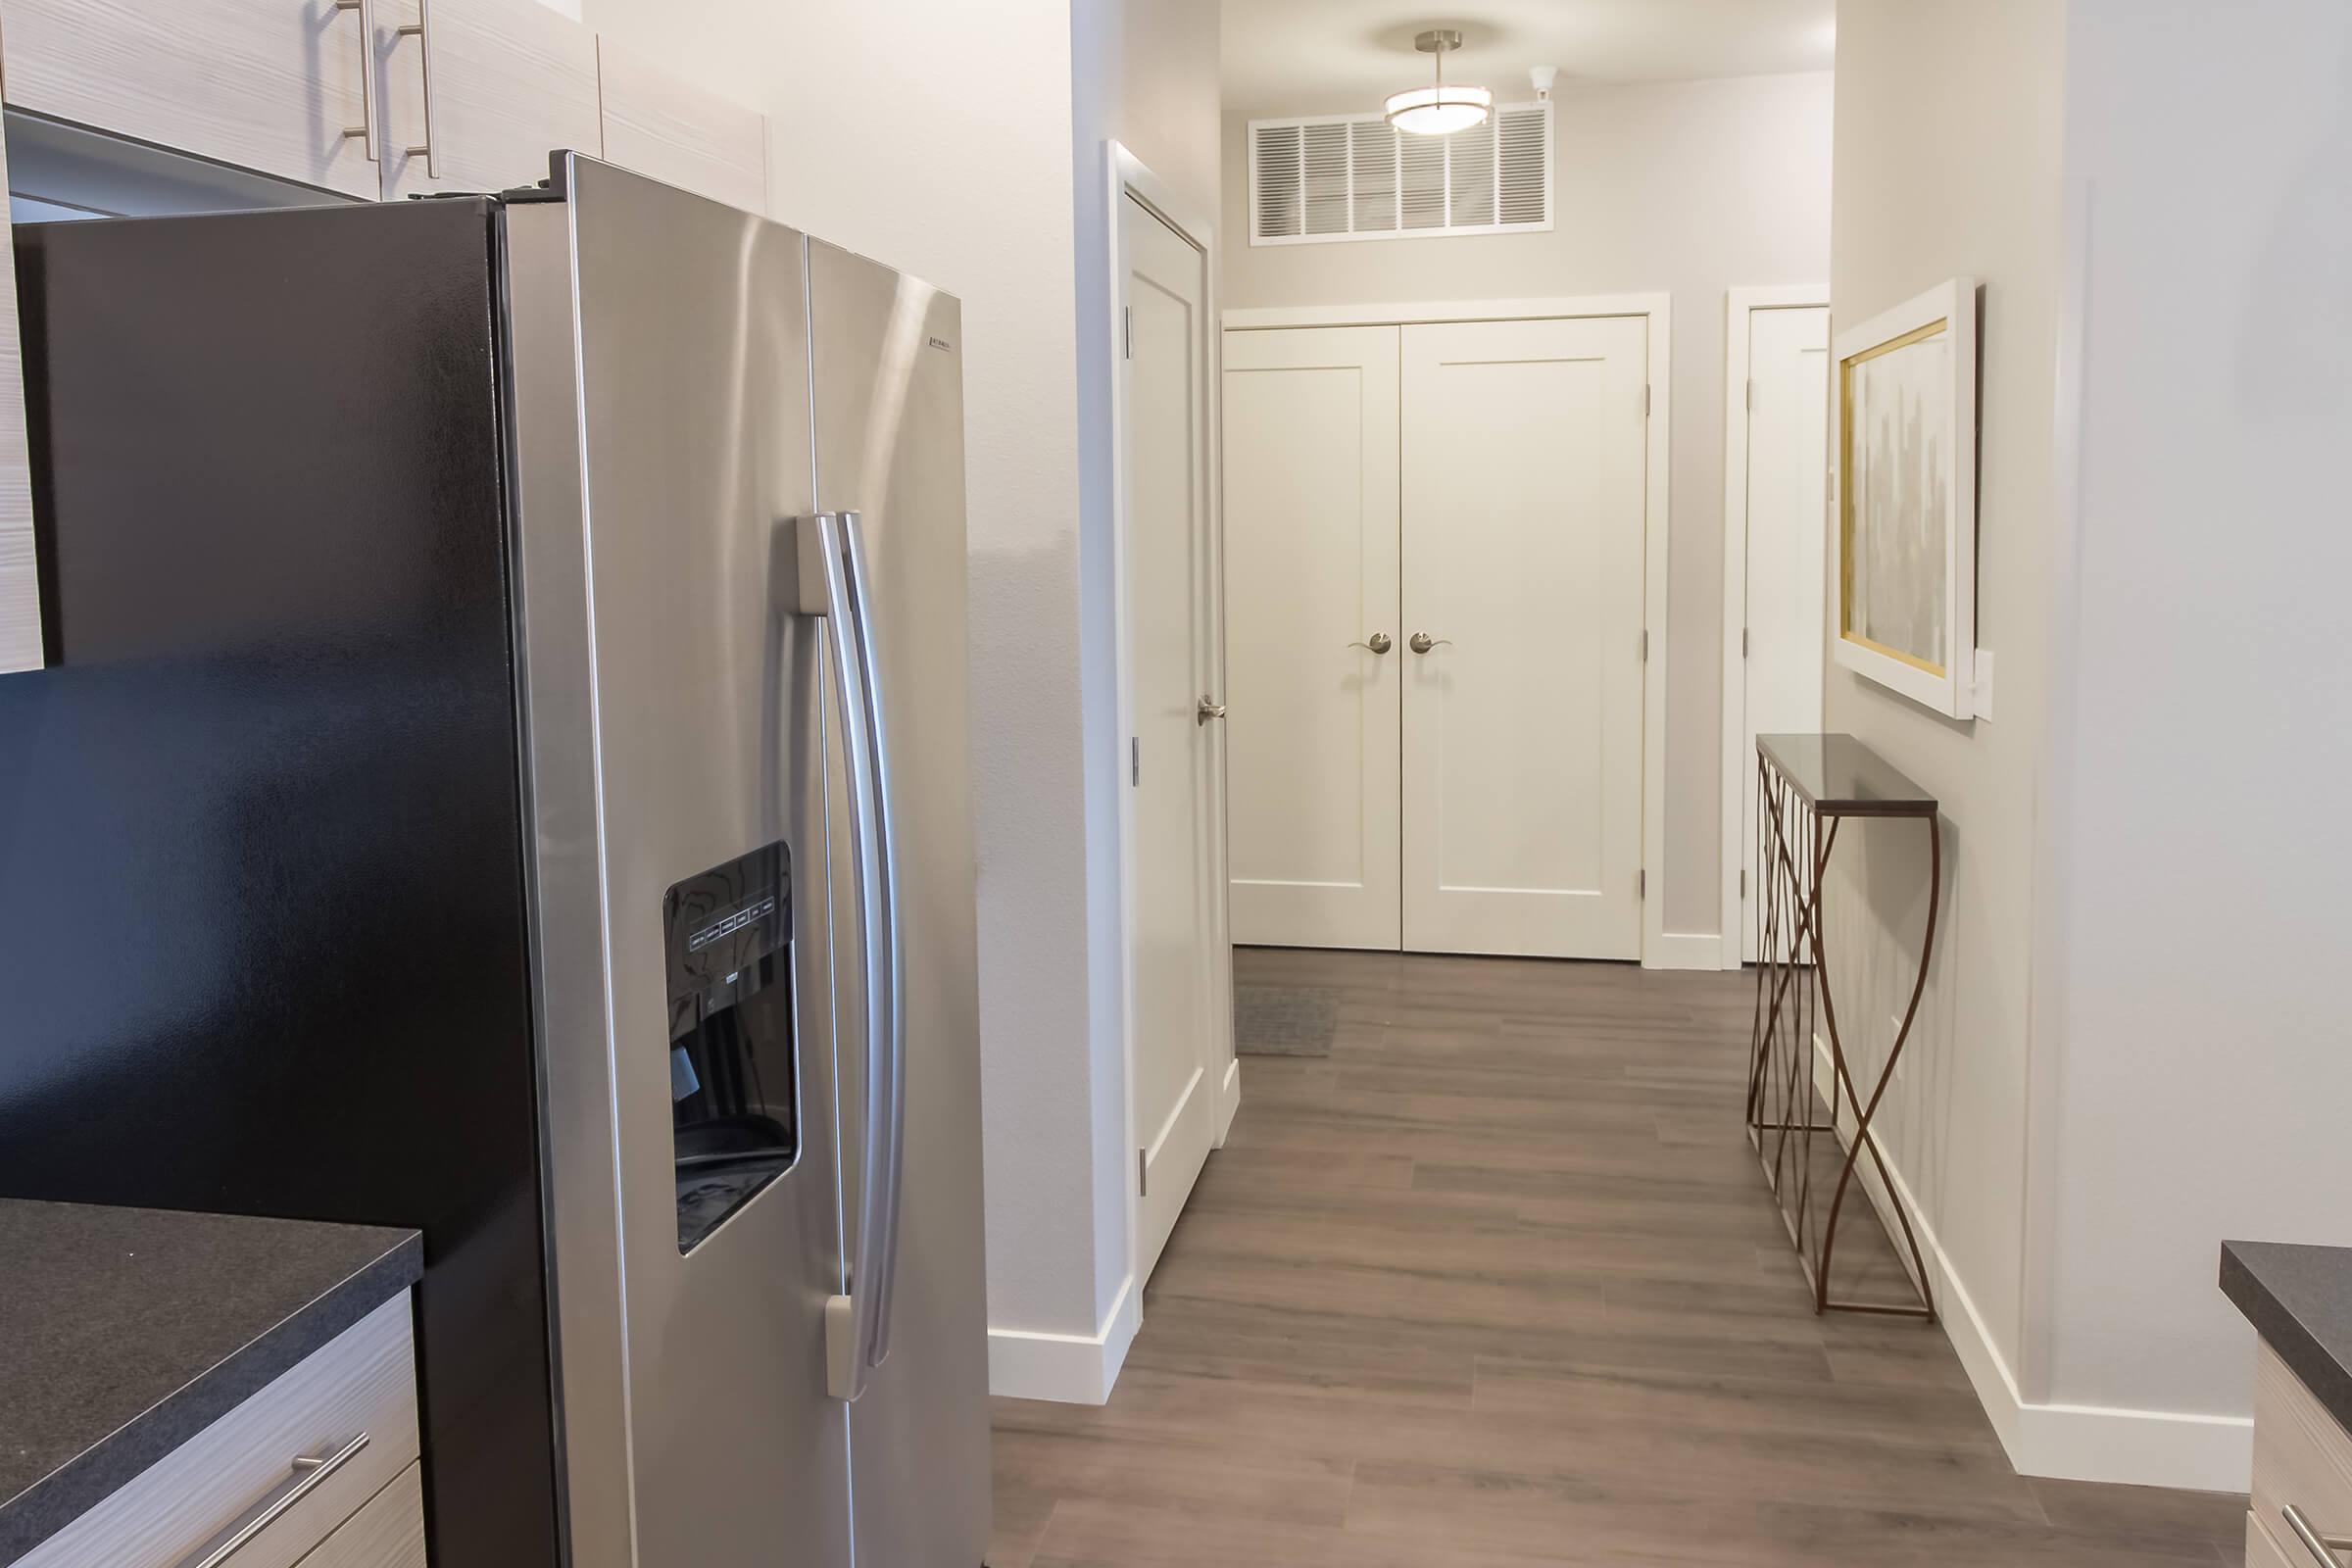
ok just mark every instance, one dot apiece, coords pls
pixel 1272 1020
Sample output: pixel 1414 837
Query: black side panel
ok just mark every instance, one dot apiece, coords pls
pixel 263 941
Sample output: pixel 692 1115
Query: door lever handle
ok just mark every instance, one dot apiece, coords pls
pixel 1379 643
pixel 1207 710
pixel 1421 642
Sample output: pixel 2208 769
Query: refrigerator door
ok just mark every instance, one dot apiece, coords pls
pixel 887 387
pixel 672 731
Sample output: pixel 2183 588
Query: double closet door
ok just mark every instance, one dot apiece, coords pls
pixel 1435 540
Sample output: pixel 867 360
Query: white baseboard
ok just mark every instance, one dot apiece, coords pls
pixel 1683 950
pixel 1066 1368
pixel 1229 1099
pixel 2064 1441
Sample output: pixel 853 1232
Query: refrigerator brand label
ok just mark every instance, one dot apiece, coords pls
pixel 941 344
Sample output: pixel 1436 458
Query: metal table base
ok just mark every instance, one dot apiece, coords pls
pixel 1808 787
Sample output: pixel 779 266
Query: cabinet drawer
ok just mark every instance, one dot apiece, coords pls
pixel 2261 1551
pixel 389 1532
pixel 260 85
pixel 363 1381
pixel 2301 1456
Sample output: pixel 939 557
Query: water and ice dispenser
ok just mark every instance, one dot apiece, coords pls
pixel 733 1066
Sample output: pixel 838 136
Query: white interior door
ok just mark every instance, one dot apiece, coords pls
pixel 1314 648
pixel 1168 594
pixel 1525 448
pixel 1788 520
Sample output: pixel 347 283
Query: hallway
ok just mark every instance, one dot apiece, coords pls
pixel 1496 1283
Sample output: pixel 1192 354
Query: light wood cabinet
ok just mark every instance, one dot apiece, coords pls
pixel 389 1532
pixel 20 580
pixel 669 129
pixel 286 1468
pixel 2261 1551
pixel 2302 1460
pixel 273 85
pixel 490 86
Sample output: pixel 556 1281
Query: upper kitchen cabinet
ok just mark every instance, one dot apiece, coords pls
pixel 273 85
pixel 671 130
pixel 20 578
pixel 476 93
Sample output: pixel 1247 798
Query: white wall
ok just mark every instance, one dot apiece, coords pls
pixel 1143 74
pixel 2206 1063
pixel 1927 185
pixel 1692 187
pixel 2136 1044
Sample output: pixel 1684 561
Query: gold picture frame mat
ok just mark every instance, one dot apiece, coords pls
pixel 1845 491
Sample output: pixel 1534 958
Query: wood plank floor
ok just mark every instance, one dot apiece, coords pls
pixel 1497 1285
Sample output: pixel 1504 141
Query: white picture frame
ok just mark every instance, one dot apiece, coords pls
pixel 1904 442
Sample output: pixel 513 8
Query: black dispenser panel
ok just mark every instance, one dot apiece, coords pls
pixel 734 1069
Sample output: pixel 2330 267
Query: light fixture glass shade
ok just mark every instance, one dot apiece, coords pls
pixel 1440 111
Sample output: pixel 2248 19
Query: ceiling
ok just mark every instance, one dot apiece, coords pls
pixel 1332 56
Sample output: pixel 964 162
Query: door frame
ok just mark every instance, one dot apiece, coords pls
pixel 1128 175
pixel 1659 948
pixel 1740 307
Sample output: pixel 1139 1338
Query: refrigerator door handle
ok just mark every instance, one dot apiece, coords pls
pixel 881 1266
pixel 857 1324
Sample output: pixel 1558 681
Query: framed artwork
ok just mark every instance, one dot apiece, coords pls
pixel 1906 536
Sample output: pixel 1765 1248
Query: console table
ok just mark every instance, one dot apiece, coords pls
pixel 1808 787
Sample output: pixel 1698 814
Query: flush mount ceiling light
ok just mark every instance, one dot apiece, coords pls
pixel 1439 110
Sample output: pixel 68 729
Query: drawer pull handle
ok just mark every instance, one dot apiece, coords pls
pixel 309 1475
pixel 2323 1547
pixel 421 30
pixel 365 131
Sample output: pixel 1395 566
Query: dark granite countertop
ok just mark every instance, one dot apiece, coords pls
pixel 123 1332
pixel 2299 1299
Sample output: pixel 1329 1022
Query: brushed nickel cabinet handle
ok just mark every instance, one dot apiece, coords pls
pixel 1379 643
pixel 366 128
pixel 309 1474
pixel 421 30
pixel 1421 642
pixel 2322 1547
pixel 1206 711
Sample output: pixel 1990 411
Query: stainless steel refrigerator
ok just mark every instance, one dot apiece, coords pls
pixel 504 769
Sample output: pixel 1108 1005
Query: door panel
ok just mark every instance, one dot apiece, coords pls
pixel 492 87
pixel 697 1422
pixel 1787 523
pixel 1171 670
pixel 889 409
pixel 270 87
pixel 1523 502
pixel 1311 541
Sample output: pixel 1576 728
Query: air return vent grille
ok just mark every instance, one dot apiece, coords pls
pixel 1355 176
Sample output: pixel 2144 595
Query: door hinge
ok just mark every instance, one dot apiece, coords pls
pixel 1744 642
pixel 1143 1173
pixel 1127 331
pixel 1642 884
pixel 1752 394
pixel 1743 881
pixel 1646 645
pixel 1645 401
pixel 1134 761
